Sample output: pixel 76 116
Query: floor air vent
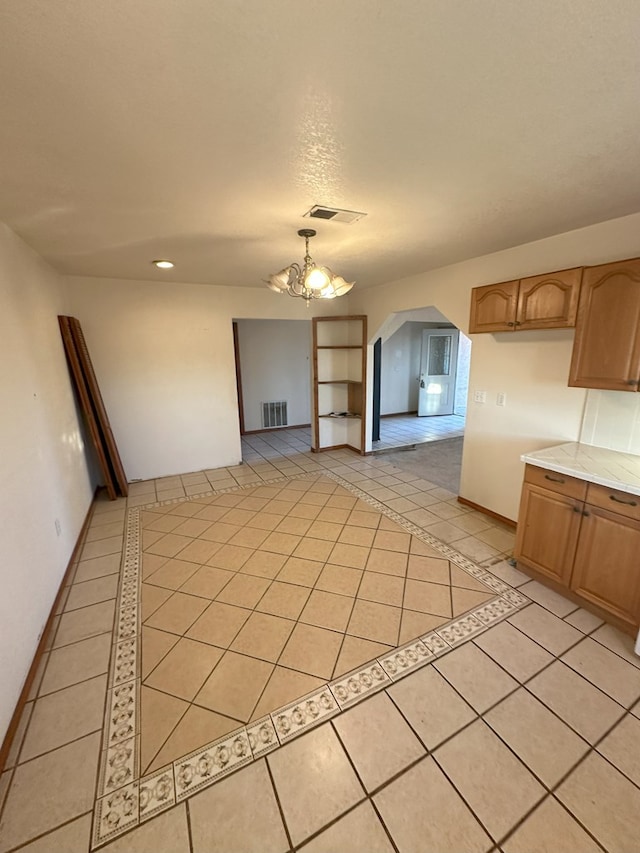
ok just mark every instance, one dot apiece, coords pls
pixel 274 414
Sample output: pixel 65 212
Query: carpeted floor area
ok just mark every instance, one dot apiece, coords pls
pixel 437 461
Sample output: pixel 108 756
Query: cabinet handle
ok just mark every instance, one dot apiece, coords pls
pixel 518 323
pixel 626 503
pixel 633 381
pixel 554 479
pixel 510 323
pixel 584 512
pixel 577 509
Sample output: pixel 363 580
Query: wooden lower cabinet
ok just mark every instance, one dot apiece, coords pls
pixel 607 564
pixel 548 530
pixel 591 553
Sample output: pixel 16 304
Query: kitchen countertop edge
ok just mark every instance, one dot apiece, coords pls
pixel 610 468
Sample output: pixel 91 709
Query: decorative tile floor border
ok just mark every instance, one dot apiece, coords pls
pixel 124 800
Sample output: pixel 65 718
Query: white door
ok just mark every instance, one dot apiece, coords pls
pixel 438 361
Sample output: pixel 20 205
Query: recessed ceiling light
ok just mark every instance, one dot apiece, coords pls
pixel 163 265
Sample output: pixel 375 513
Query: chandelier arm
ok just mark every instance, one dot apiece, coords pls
pixel 295 287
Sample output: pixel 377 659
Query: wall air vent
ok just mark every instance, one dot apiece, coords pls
pixel 335 214
pixel 274 414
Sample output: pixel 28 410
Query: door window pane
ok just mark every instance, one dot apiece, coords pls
pixel 439 355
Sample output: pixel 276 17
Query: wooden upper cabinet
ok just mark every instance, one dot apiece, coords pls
pixel 493 307
pixel 547 301
pixel 606 350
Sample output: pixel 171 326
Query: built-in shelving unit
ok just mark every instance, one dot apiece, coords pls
pixel 339 366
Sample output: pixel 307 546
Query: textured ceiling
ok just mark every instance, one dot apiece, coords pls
pixel 202 130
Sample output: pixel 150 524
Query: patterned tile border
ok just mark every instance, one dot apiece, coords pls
pixel 206 765
pixel 115 814
pixel 413 655
pixel 304 714
pixel 119 765
pixel 363 681
pixel 157 793
pixel 124 800
pixel 262 737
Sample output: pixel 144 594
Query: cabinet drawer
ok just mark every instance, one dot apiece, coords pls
pixel 614 500
pixel 561 483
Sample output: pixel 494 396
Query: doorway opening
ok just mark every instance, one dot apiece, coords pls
pixel 272 359
pixel 421 380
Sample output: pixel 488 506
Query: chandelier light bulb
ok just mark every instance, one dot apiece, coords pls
pixel 317 279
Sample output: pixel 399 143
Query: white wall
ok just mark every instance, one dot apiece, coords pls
pixel 400 367
pixel 612 419
pixel 532 368
pixel 275 365
pixel 42 465
pixel 462 375
pixel 163 354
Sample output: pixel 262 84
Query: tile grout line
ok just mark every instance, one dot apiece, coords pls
pixel 82 606
pixel 550 790
pixel 55 748
pixel 354 806
pixel 5 797
pixel 46 656
pixel 592 747
pixel 189 830
pixel 367 797
pixel 558 658
pixel 344 634
pixel 278 802
pixel 521 685
pixel 22 846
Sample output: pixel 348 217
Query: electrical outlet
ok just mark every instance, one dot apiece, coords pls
pixel 501 399
pixel 479 396
pixel 58 527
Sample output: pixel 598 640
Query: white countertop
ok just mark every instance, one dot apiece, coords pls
pixel 595 464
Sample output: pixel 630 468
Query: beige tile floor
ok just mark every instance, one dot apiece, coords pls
pixel 258 596
pixel 524 738
pixel 403 430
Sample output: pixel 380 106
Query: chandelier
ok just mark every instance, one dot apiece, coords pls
pixel 308 281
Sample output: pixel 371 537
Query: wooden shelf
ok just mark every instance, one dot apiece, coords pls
pixel 339 380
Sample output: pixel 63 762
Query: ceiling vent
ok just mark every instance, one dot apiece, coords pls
pixel 335 214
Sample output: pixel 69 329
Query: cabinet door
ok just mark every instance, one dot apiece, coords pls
pixel 548 527
pixel 493 307
pixel 549 301
pixel 606 350
pixel 607 566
